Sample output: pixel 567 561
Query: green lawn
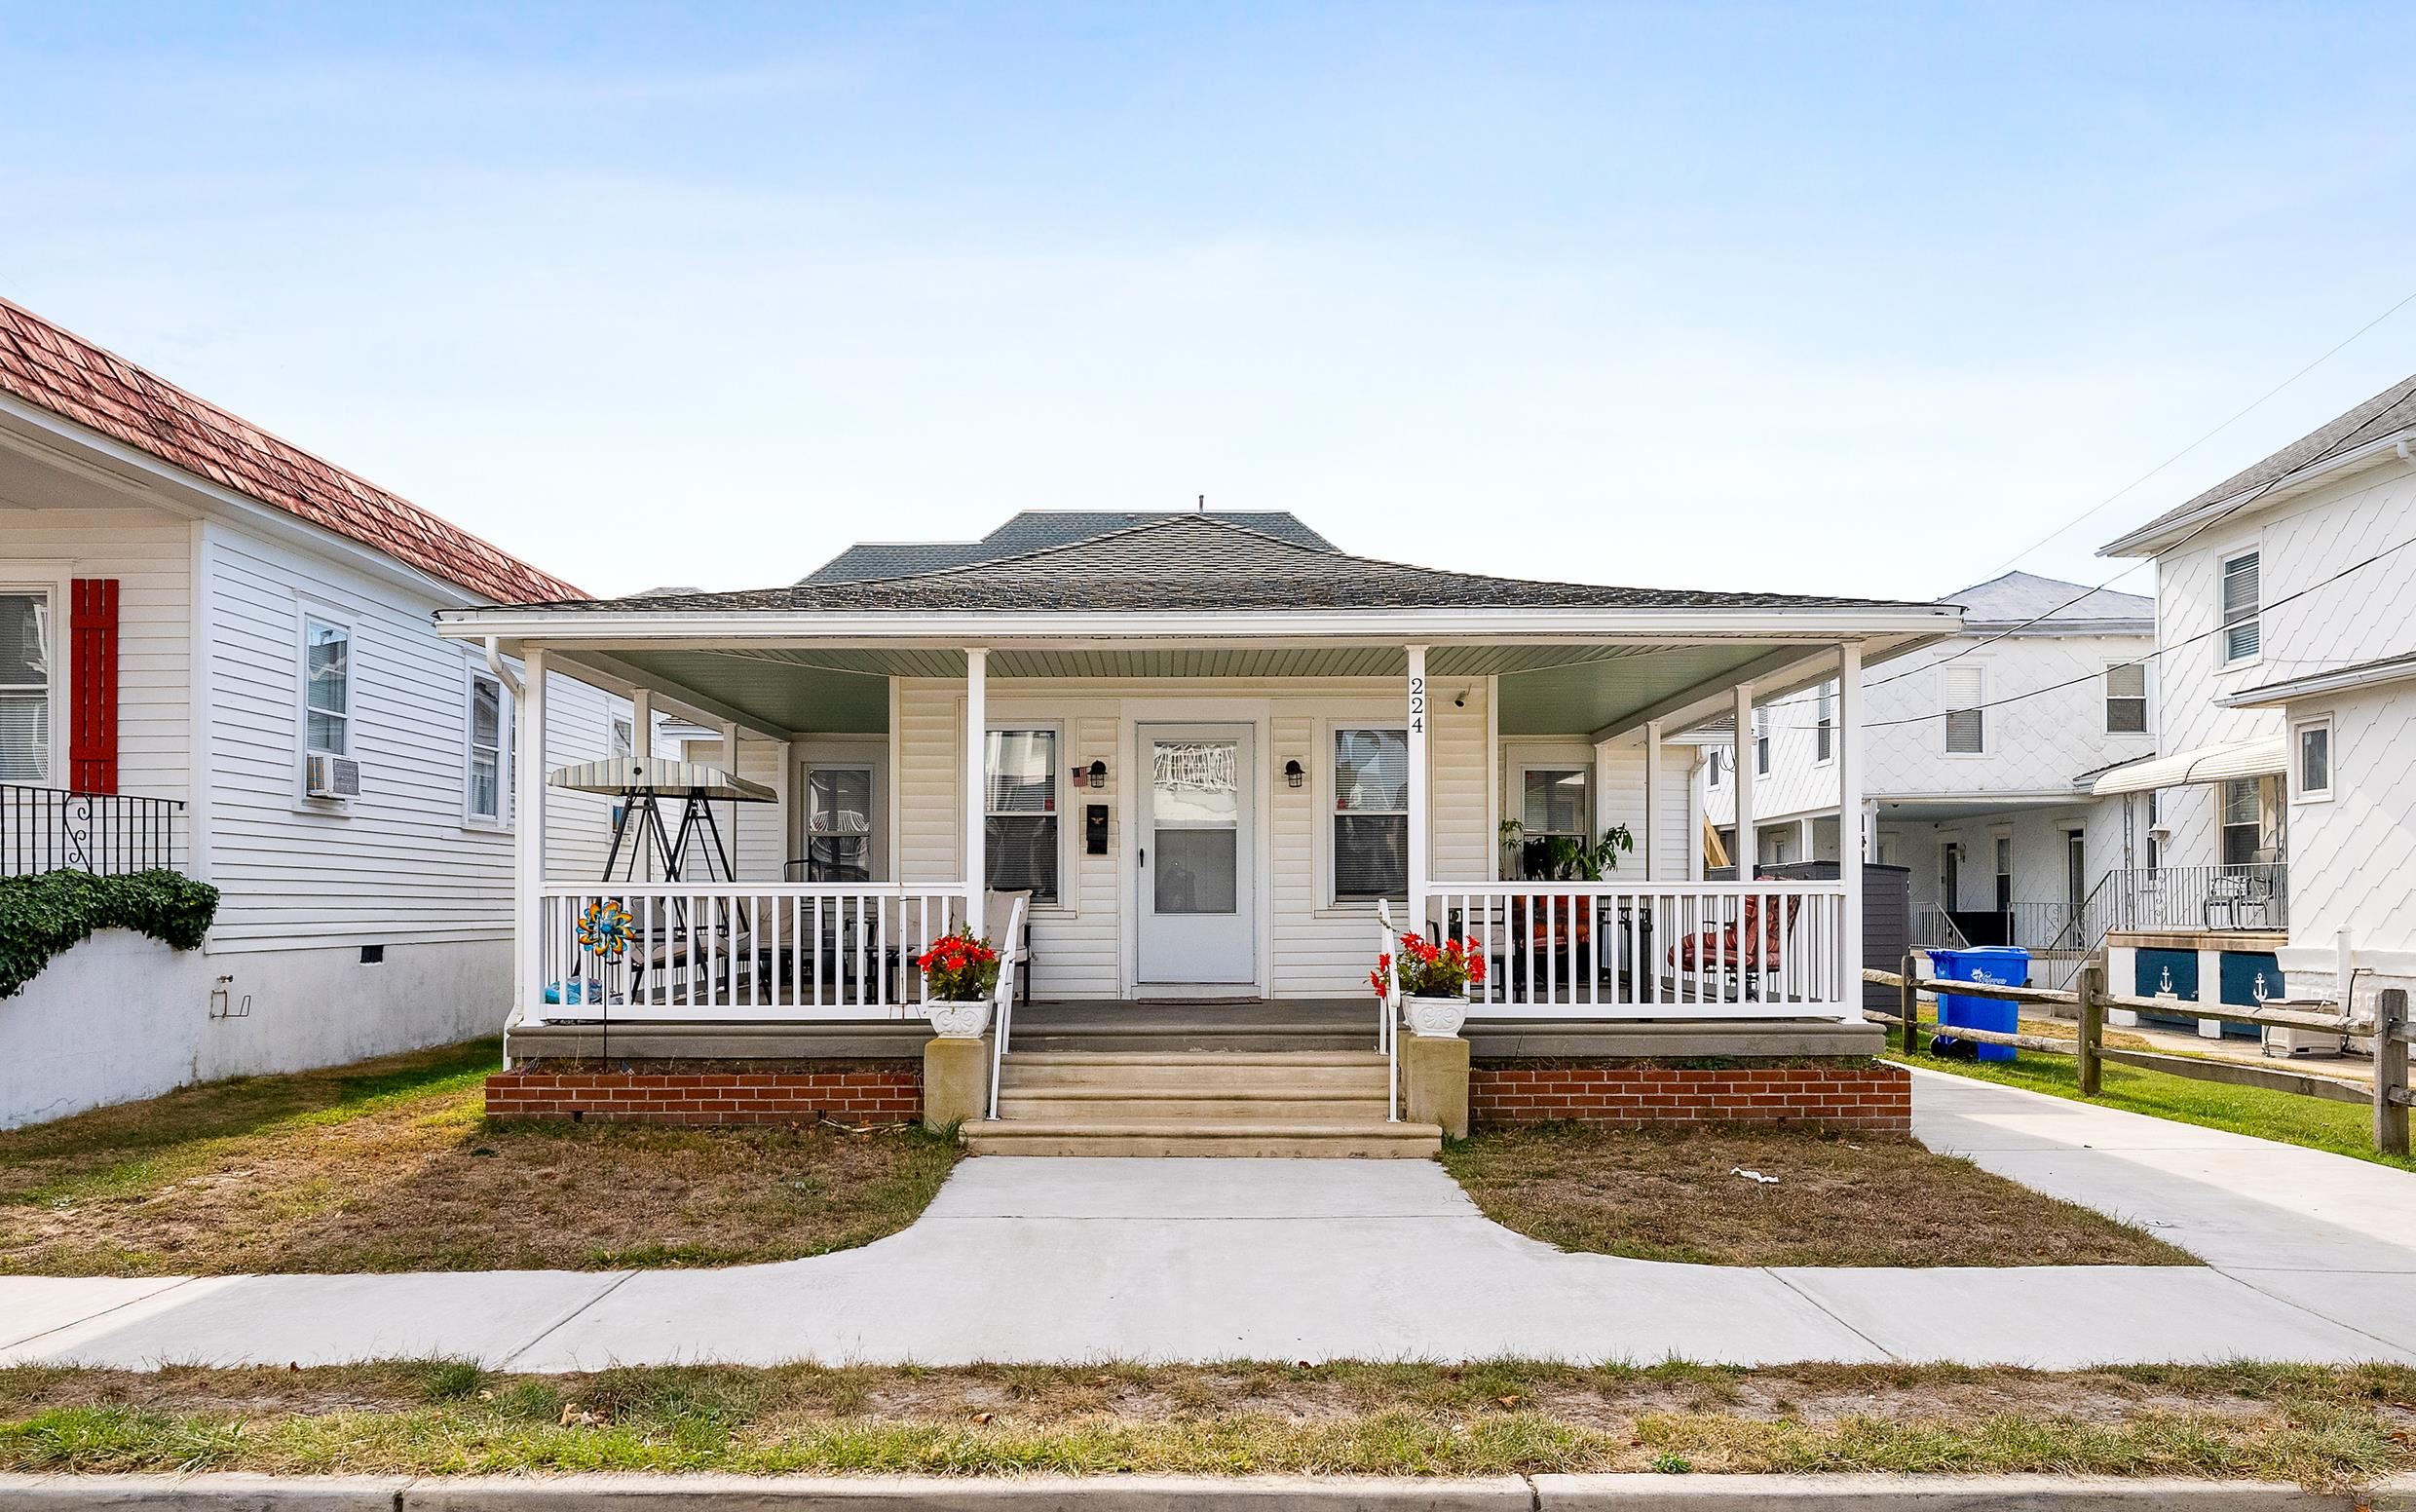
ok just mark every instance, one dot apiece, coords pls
pixel 2318 1123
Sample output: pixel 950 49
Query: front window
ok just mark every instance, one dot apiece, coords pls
pixel 2126 699
pixel 326 687
pixel 839 825
pixel 1825 723
pixel 1371 815
pixel 1552 820
pixel 25 687
pixel 1966 731
pixel 2240 631
pixel 487 749
pixel 1019 805
pixel 2315 759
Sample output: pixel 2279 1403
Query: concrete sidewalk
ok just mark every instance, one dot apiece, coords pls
pixel 1073 1261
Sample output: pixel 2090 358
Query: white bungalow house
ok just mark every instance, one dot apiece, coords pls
pixel 1196 754
pixel 1981 794
pixel 217 657
pixel 2285 804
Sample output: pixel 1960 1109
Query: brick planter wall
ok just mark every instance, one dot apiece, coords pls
pixel 855 1092
pixel 1857 1094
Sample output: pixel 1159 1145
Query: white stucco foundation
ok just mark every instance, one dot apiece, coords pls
pixel 123 1016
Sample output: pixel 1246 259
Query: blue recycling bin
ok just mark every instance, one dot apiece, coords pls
pixel 2004 966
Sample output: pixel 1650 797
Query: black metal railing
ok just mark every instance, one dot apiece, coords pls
pixel 48 829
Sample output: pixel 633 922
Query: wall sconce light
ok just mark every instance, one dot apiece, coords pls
pixel 1293 772
pixel 1098 773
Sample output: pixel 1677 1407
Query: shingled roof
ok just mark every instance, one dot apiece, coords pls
pixel 2022 599
pixel 55 370
pixel 2379 418
pixel 1195 562
pixel 1032 530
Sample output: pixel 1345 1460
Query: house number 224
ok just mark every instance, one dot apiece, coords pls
pixel 1418 704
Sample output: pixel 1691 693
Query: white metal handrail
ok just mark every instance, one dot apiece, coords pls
pixel 1388 1008
pixel 1653 950
pixel 740 951
pixel 1003 1011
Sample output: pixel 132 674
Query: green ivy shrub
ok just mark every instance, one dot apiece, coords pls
pixel 43 916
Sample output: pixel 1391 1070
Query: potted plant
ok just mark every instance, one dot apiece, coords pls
pixel 959 972
pixel 1562 857
pixel 1434 982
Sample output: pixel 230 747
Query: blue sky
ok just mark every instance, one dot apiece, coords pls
pixel 1814 298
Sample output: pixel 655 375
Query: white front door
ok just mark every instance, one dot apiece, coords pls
pixel 1197 859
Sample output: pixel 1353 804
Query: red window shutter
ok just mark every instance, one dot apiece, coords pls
pixel 92 686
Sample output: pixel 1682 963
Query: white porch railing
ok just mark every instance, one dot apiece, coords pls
pixel 748 950
pixel 1625 950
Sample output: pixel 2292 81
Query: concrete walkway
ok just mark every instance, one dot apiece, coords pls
pixel 1074 1261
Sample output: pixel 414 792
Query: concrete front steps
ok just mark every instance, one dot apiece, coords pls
pixel 1284 1103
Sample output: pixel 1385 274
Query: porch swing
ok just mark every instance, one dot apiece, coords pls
pixel 676 944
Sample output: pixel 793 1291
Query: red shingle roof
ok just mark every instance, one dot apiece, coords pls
pixel 61 372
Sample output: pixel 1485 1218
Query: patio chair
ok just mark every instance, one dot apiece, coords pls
pixel 1741 954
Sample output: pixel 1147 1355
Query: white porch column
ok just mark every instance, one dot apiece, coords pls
pixel 529 869
pixel 1418 790
pixel 642 723
pixel 976 734
pixel 1651 857
pixel 1850 811
pixel 1741 762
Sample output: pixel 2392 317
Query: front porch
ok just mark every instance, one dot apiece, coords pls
pixel 1209 791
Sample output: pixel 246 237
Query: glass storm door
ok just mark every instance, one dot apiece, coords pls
pixel 1199 856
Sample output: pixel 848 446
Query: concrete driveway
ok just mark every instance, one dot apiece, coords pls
pixel 1074 1261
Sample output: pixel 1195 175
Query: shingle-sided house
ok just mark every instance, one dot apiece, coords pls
pixel 217 656
pixel 1200 758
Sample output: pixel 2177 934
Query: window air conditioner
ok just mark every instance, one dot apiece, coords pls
pixel 330 776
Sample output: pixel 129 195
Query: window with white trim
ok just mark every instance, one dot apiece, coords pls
pixel 484 783
pixel 2126 699
pixel 25 682
pixel 1371 815
pixel 1019 813
pixel 2312 758
pixel 1762 742
pixel 1967 728
pixel 624 737
pixel 1552 808
pixel 326 687
pixel 1719 768
pixel 2242 630
pixel 1825 723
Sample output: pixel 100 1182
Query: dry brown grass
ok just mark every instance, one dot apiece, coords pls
pixel 391 1165
pixel 1839 1200
pixel 2321 1426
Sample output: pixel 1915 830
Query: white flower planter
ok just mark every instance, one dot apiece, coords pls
pixel 959 1020
pixel 1435 1018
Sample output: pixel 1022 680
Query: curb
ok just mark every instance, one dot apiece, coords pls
pixel 1183 1493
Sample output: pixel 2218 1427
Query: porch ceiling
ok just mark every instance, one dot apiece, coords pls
pixel 1545 689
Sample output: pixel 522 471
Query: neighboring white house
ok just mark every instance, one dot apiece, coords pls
pixel 1981 750
pixel 2286 792
pixel 218 655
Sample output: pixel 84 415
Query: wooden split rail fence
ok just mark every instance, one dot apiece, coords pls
pixel 2390 1033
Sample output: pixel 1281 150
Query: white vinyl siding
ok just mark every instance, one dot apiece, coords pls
pixel 395 865
pixel 1966 721
pixel 2242 632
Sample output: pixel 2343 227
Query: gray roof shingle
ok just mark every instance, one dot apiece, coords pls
pixel 1197 562
pixel 2024 599
pixel 2385 414
pixel 1032 530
